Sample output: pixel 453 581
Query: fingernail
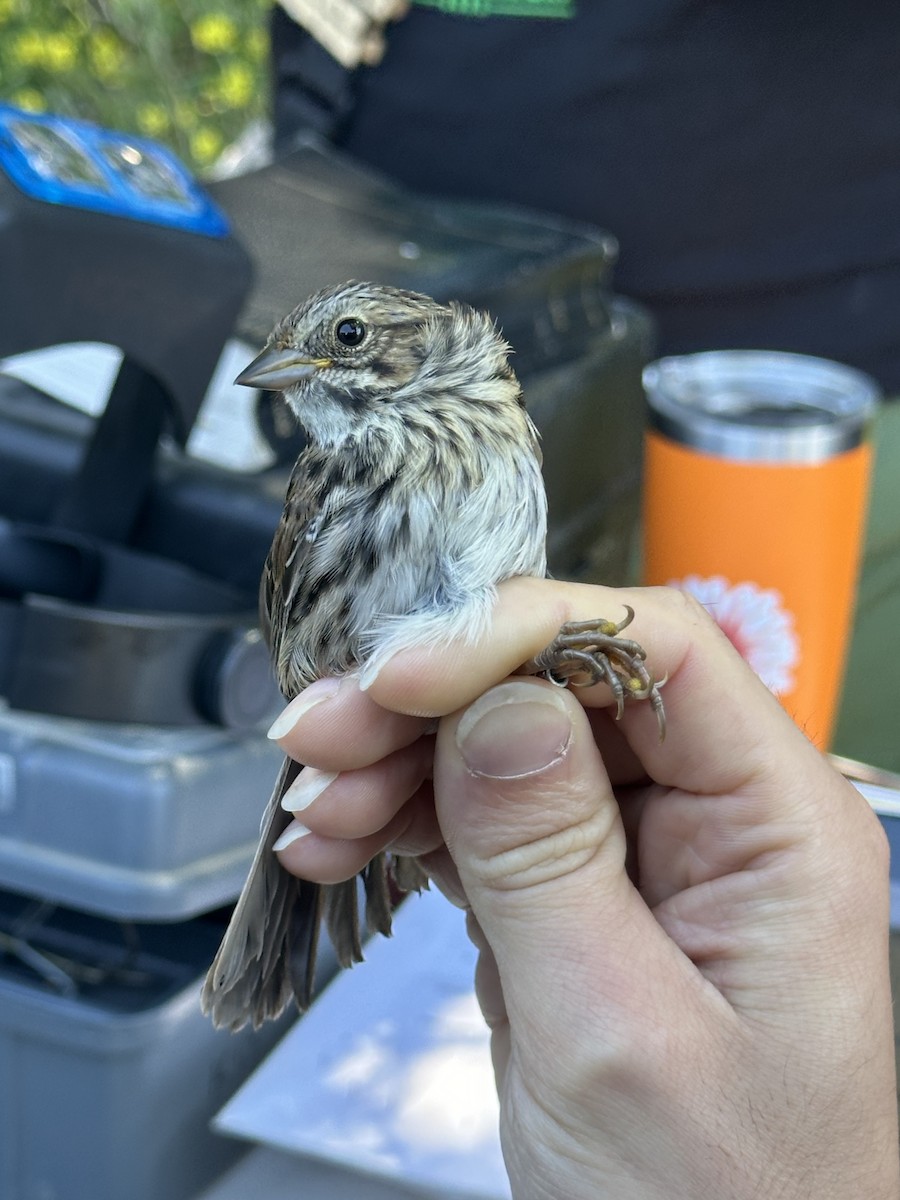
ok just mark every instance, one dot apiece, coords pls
pixel 371 671
pixel 309 784
pixel 322 689
pixel 514 729
pixel 294 832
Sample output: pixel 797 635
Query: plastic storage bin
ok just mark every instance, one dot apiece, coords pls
pixel 108 1080
pixel 129 822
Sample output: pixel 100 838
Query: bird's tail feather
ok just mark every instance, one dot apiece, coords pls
pixel 342 921
pixel 378 895
pixel 268 954
pixel 248 980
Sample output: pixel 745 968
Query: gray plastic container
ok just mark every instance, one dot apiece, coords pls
pixel 106 1093
pixel 133 822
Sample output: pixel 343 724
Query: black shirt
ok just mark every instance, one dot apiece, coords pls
pixel 746 153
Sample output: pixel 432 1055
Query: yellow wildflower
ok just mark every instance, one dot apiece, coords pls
pixel 205 145
pixel 107 53
pixel 152 119
pixel 28 98
pixel 53 51
pixel 28 49
pixel 60 52
pixel 214 33
pixel 235 85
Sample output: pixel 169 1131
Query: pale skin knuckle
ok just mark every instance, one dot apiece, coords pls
pixel 878 846
pixel 624 1062
pixel 684 607
pixel 862 866
pixel 545 859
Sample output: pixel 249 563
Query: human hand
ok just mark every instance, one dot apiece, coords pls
pixel 683 946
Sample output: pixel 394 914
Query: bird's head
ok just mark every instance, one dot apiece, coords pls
pixel 352 357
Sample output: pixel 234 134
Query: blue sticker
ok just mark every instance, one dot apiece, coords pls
pixel 64 161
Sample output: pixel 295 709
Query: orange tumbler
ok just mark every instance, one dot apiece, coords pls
pixel 756 481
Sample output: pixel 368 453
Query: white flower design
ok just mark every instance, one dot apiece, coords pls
pixel 756 622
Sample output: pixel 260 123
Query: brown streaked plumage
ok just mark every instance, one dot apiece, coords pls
pixel 419 491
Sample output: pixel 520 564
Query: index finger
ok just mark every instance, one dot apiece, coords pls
pixel 724 726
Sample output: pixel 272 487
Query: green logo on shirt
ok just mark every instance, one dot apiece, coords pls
pixel 503 8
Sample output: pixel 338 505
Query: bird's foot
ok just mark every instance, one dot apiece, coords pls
pixel 587 652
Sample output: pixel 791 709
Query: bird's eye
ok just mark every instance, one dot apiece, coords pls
pixel 350 332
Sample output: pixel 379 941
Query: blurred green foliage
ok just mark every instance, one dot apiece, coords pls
pixel 191 73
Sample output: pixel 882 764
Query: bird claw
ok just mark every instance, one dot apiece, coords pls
pixel 587 652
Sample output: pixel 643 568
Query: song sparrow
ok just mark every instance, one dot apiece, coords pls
pixel 419 491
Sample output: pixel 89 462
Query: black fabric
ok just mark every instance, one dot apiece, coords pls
pixel 746 153
pixel 106 496
pixel 314 93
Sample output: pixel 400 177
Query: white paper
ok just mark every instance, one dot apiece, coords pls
pixel 390 1071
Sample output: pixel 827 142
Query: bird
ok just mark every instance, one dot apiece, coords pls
pixel 419 489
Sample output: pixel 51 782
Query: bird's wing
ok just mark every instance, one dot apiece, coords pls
pixel 287 560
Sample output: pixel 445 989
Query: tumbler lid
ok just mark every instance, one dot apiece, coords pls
pixel 760 405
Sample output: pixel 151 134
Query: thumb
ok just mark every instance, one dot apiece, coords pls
pixel 529 817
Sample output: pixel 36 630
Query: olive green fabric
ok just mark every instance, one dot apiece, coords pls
pixel 869 723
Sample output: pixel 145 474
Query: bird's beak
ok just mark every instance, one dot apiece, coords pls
pixel 276 369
